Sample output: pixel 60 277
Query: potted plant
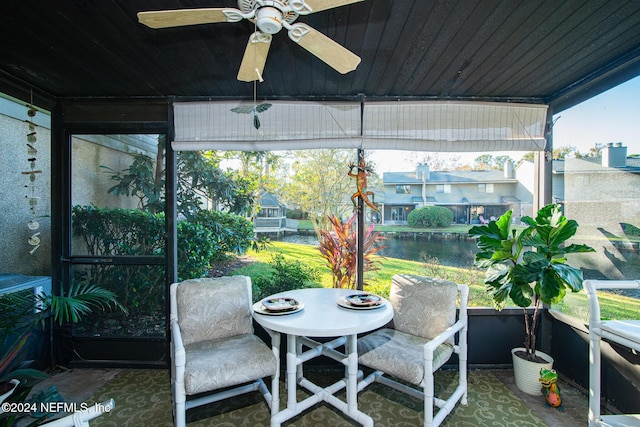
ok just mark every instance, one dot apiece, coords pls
pixel 529 268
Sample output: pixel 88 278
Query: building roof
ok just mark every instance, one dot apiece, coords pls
pixel 447 177
pixel 633 164
pixel 268 200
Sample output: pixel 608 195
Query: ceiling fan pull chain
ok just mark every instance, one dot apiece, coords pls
pixel 256 121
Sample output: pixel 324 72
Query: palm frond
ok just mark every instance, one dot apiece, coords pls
pixel 80 300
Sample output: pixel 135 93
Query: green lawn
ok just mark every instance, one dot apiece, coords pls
pixel 574 304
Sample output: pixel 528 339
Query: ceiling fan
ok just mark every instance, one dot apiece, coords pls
pixel 269 17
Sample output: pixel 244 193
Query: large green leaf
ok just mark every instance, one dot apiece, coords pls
pixel 483 260
pixel 570 276
pixel 497 274
pixel 521 294
pixel 495 230
pixel 562 232
pixel 550 287
pixel 529 273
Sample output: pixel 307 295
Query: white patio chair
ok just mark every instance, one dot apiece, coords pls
pixel 214 351
pixel 424 336
pixel 622 332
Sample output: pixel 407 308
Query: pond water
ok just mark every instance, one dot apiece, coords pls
pixel 460 252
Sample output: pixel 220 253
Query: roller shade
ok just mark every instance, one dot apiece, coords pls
pixel 441 126
pixel 438 126
pixel 283 126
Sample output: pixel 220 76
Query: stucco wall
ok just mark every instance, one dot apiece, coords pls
pixel 90 179
pixel 601 199
pixel 14 204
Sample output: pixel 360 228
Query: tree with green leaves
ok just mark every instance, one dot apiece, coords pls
pixel 320 185
pixel 489 161
pixel 199 178
pixel 438 161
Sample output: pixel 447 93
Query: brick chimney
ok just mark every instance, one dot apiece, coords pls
pixel 614 156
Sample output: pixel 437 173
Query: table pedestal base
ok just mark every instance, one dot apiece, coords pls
pixel 295 376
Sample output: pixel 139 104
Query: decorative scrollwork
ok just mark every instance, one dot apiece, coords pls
pixel 299 6
pixel 298 31
pixel 260 37
pixel 234 15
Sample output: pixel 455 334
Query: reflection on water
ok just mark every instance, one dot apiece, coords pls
pixel 448 251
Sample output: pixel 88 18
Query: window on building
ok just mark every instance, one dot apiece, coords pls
pixel 485 188
pixel 403 189
pixel 443 188
pixel 398 213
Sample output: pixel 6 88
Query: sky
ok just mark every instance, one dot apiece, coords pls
pixel 613 116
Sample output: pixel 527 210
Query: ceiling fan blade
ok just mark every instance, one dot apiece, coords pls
pixel 304 7
pixel 182 17
pixel 335 55
pixel 255 56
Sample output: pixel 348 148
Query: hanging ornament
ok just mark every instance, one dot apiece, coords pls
pixel 253 109
pixel 32 200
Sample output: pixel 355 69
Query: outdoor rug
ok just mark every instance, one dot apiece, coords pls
pixel 142 398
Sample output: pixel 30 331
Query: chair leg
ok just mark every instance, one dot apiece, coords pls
pixel 462 365
pixel 275 379
pixel 180 414
pixel 595 360
pixel 179 405
pixel 428 392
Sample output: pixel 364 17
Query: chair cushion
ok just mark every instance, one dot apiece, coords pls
pixel 214 308
pixel 399 354
pixel 423 306
pixel 215 364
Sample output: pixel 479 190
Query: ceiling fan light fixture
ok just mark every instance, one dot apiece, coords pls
pixel 269 20
pixel 268 17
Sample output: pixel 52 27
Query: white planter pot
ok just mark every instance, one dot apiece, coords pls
pixel 527 373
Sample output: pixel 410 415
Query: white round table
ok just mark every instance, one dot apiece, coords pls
pixel 321 317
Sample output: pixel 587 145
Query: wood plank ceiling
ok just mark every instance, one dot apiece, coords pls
pixel 556 52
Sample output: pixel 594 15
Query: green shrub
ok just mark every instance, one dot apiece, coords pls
pixel 282 276
pixel 230 234
pixel 296 214
pixel 430 216
pixel 205 238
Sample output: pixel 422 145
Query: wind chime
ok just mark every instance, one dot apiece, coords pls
pixel 33 225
